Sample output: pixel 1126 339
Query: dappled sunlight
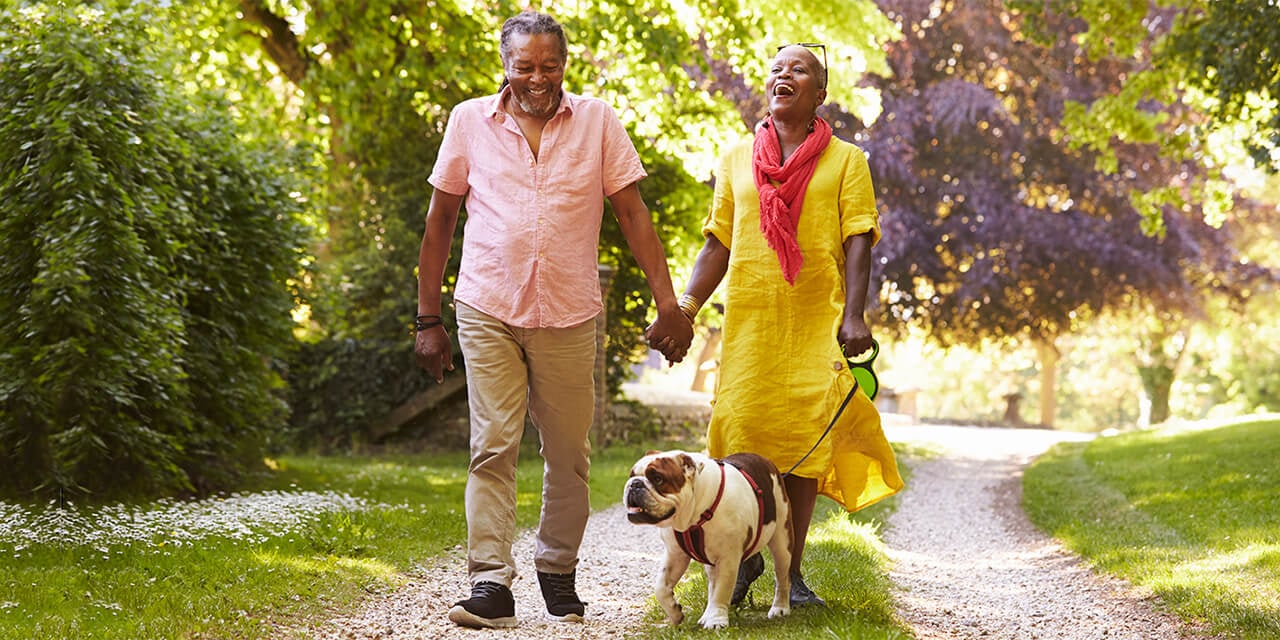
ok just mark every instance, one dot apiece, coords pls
pixel 1244 571
pixel 368 567
pixel 840 528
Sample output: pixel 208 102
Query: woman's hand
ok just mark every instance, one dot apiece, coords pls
pixel 855 337
pixel 671 334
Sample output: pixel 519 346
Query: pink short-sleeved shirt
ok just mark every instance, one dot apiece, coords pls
pixel 531 240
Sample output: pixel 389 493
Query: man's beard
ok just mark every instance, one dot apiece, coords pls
pixel 538 107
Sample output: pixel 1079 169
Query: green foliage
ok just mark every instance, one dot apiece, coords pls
pixel 339 387
pixel 1212 67
pixel 1252 372
pixel 149 255
pixel 1190 515
pixel 1231 51
pixel 674 198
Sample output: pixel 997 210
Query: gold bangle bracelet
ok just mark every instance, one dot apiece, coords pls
pixel 689 305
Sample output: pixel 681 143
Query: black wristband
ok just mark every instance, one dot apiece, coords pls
pixel 422 325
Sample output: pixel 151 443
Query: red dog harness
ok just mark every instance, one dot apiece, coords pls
pixel 692 541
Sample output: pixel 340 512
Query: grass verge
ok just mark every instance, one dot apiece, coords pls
pixel 1193 515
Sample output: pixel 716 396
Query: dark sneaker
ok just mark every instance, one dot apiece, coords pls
pixel 801 594
pixel 491 606
pixel 748 571
pixel 561 596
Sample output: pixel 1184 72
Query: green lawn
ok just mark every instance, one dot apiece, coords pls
pixel 237 584
pixel 1194 515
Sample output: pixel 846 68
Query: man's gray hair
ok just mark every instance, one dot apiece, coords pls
pixel 530 23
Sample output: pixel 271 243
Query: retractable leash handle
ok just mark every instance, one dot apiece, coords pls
pixel 860 366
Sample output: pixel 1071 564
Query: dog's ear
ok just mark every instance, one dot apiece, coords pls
pixel 690 465
pixel 653 452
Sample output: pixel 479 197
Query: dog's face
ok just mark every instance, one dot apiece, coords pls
pixel 660 484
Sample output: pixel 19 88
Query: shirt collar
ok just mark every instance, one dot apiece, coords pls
pixel 567 103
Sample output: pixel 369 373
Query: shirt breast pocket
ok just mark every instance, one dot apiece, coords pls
pixel 576 171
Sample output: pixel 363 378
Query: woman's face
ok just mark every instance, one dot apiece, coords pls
pixel 792 87
pixel 535 70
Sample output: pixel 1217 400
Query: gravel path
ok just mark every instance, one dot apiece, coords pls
pixel 619 562
pixel 967 562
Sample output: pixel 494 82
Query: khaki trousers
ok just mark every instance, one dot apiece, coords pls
pixel 548 373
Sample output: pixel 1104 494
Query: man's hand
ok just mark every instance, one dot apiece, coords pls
pixel 671 334
pixel 434 352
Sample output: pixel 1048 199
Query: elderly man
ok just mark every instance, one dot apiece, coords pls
pixel 534 164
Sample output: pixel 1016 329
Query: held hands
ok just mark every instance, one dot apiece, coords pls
pixel 671 334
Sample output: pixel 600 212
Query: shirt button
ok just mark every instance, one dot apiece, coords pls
pixel 837 365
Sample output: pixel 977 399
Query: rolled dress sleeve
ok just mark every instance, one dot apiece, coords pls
pixel 858 199
pixel 719 221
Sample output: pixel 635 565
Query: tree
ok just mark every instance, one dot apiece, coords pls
pixel 994 230
pixel 1214 69
pixel 148 259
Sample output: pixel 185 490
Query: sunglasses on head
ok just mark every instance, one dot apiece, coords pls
pixel 812 45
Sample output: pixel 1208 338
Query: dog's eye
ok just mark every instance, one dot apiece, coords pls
pixel 656 480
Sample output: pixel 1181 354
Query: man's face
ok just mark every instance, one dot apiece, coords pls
pixel 535 70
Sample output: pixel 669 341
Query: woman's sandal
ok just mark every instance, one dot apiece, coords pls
pixel 801 594
pixel 748 571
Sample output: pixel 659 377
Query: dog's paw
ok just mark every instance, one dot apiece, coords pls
pixel 675 615
pixel 713 619
pixel 778 612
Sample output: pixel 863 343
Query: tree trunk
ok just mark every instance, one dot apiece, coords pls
pixel 706 359
pixel 1161 348
pixel 1048 354
pixel 1012 412
pixel 1157 381
pixel 283 47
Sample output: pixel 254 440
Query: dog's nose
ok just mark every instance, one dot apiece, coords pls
pixel 635 492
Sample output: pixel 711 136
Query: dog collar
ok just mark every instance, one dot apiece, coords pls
pixel 693 542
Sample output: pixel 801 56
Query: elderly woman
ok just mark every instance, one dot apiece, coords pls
pixel 792 226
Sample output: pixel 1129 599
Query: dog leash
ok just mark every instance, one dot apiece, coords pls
pixel 828 430
pixel 861 369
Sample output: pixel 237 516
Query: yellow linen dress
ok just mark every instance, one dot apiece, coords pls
pixel 782 375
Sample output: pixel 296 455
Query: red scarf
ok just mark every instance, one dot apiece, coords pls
pixel 780 205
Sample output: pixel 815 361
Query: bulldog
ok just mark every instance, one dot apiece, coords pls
pixel 717 512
